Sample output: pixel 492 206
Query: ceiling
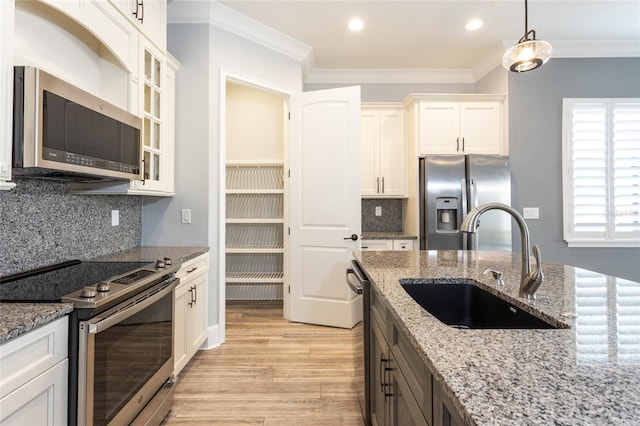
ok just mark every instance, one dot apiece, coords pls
pixel 430 34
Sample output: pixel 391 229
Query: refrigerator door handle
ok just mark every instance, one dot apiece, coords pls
pixel 464 209
pixel 473 203
pixel 473 196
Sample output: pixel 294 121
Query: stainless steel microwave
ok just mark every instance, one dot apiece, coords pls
pixel 63 132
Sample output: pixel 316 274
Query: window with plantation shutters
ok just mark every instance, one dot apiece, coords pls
pixel 608 321
pixel 601 172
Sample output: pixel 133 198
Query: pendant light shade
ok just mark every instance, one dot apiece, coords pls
pixel 529 53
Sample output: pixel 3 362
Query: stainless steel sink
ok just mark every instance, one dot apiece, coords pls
pixel 461 304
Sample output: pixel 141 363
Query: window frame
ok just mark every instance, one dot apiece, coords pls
pixel 585 239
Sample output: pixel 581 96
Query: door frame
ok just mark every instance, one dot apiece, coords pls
pixel 227 75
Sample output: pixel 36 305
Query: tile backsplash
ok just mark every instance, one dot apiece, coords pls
pixel 391 219
pixel 41 223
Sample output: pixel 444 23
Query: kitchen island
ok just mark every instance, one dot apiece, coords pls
pixel 587 373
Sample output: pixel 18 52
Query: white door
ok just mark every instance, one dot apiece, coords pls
pixel 324 188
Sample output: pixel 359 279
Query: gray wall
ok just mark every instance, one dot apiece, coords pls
pixel 535 140
pixel 162 223
pixel 206 52
pixel 41 223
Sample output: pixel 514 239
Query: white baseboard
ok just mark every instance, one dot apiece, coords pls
pixel 213 338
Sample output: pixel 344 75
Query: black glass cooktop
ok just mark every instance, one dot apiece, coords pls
pixel 49 284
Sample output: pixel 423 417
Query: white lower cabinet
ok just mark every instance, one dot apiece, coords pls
pixel 386 245
pixel 376 245
pixel 190 310
pixel 34 377
pixel 402 245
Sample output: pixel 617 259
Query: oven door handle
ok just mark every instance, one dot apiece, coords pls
pixel 356 278
pixel 141 301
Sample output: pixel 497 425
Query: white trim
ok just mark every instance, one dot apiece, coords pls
pixel 390 75
pixel 213 13
pixel 227 75
pixel 454 97
pixel 617 243
pixel 222 205
pixel 596 49
pixel 213 338
pixel 573 238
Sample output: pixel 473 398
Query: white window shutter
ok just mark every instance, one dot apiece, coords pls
pixel 601 179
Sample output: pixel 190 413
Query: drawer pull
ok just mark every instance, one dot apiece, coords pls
pixel 192 269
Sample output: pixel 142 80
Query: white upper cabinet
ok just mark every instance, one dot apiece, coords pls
pixel 460 124
pixel 149 16
pixel 6 92
pixel 383 151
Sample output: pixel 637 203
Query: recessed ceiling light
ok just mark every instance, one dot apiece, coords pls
pixel 474 24
pixel 356 24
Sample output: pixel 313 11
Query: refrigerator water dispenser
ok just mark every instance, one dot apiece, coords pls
pixel 447 214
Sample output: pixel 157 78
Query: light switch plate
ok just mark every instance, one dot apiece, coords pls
pixel 115 217
pixel 186 215
pixel 531 212
pixel 378 210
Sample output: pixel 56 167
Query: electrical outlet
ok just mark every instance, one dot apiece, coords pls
pixel 115 217
pixel 531 212
pixel 186 215
pixel 378 211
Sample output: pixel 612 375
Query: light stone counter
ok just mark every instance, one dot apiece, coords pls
pixel 19 318
pixel 151 253
pixel 375 235
pixel 587 374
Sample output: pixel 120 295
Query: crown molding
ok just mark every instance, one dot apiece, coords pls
pixel 390 75
pixel 213 13
pixel 596 49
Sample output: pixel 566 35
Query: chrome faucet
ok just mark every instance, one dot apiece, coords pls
pixel 529 280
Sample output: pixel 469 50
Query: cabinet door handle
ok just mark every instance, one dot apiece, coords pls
pixel 141 17
pixel 192 269
pixel 462 144
pixel 195 295
pixel 384 383
pixel 383 184
pixel 377 185
pixel 382 373
pixel 457 144
pixel 192 302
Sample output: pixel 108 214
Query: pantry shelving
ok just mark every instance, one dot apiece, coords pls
pixel 254 242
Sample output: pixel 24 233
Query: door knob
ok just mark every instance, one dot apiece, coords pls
pixel 353 237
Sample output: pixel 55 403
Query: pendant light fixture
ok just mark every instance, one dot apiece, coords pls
pixel 529 53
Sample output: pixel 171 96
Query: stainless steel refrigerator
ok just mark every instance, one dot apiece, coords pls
pixel 452 185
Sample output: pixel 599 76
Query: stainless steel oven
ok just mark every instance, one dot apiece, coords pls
pixel 120 335
pixel 125 355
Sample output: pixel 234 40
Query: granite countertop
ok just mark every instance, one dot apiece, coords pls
pixel 376 235
pixel 20 318
pixel 585 374
pixel 151 253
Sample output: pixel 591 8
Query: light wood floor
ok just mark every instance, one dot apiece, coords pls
pixel 271 372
